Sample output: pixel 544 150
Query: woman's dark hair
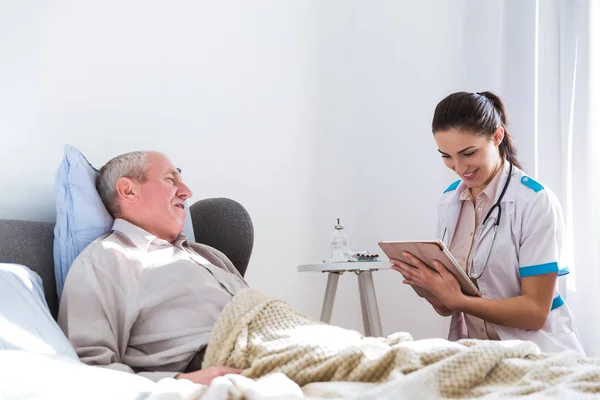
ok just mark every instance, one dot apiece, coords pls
pixel 481 112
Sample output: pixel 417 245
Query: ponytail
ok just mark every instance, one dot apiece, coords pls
pixel 507 147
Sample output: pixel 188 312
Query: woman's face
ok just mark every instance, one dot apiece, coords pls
pixel 475 158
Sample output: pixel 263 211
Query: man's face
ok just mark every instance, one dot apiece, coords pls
pixel 160 208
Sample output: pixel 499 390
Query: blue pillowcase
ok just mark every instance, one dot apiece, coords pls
pixel 81 216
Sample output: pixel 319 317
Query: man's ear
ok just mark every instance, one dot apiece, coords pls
pixel 127 190
pixel 498 136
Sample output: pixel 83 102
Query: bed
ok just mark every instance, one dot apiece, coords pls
pixel 284 354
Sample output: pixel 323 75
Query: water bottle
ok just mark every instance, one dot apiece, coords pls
pixel 339 244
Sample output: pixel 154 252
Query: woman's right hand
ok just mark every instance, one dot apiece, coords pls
pixel 439 307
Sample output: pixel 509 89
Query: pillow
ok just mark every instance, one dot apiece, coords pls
pixel 81 217
pixel 25 321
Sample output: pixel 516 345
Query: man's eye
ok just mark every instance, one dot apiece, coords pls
pixel 172 180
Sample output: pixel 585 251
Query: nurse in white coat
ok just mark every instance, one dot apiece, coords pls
pixel 504 228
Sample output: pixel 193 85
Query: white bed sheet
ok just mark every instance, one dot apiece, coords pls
pixel 26 375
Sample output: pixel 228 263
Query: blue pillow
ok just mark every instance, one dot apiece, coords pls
pixel 81 217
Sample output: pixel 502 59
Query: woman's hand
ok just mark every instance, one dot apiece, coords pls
pixel 438 281
pixel 439 307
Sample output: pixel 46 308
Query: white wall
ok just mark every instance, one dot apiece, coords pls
pixel 225 89
pixel 303 111
pixel 382 68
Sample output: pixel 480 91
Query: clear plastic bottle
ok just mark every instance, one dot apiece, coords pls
pixel 339 244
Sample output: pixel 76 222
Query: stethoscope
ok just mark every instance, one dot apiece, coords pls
pixel 470 267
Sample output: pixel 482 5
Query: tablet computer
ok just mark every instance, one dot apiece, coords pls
pixel 427 251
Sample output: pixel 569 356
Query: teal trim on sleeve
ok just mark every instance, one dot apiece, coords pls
pixel 557 302
pixel 539 269
pixel 563 271
pixel 453 186
pixel 532 184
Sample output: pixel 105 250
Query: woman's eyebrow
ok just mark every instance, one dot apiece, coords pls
pixel 460 152
pixel 466 149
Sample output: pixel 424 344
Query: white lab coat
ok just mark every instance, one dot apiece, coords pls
pixel 529 241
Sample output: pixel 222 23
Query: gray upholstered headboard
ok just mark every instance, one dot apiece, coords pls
pixel 220 222
pixel 30 243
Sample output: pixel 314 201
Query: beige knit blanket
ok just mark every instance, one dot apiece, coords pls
pixel 264 335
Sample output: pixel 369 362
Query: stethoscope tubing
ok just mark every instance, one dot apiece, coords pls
pixel 497 205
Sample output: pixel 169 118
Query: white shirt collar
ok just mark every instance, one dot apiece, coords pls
pixel 140 238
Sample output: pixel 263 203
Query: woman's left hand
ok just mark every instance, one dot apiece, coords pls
pixel 438 281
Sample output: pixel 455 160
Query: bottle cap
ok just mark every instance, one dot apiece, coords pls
pixel 338 226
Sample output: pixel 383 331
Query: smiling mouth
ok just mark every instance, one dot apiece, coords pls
pixel 470 174
pixel 179 205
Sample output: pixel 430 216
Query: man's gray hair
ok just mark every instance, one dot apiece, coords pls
pixel 132 165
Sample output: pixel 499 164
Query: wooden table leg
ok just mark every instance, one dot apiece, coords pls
pixel 327 309
pixel 365 279
pixel 363 307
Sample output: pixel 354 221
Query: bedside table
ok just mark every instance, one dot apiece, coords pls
pixel 366 288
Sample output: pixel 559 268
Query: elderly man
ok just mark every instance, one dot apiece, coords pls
pixel 143 298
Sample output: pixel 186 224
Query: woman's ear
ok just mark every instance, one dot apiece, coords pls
pixel 498 136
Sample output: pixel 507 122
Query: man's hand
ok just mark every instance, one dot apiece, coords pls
pixel 206 375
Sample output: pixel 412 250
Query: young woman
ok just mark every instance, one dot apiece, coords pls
pixel 504 228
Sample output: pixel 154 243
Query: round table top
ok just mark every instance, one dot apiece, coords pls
pixel 345 266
